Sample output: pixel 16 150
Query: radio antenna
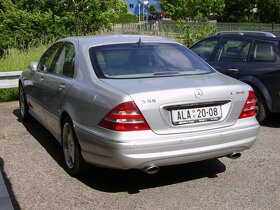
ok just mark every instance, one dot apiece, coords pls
pixel 140 42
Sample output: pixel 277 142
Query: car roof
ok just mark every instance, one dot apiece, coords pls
pixel 115 39
pixel 248 34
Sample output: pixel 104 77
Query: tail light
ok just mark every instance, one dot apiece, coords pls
pixel 125 117
pixel 249 108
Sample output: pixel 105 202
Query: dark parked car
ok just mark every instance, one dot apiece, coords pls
pixel 250 56
pixel 154 16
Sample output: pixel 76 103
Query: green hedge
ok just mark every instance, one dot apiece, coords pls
pixel 127 18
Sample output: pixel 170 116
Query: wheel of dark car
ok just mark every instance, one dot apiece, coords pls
pixel 23 104
pixel 262 110
pixel 71 151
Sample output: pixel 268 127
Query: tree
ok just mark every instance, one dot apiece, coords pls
pixel 25 23
pixel 268 10
pixel 5 5
pixel 113 11
pixel 84 15
pixel 29 22
pixel 152 8
pixel 214 7
pixel 238 10
pixel 19 28
pixel 175 9
pixel 181 9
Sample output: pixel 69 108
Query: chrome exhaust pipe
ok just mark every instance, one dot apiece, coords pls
pixel 234 155
pixel 152 169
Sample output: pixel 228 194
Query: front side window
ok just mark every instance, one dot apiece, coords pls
pixel 232 50
pixel 47 61
pixel 264 52
pixel 145 60
pixel 205 48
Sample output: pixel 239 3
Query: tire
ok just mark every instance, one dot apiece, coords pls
pixel 74 162
pixel 262 111
pixel 24 109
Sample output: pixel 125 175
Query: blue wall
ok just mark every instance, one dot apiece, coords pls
pixel 132 6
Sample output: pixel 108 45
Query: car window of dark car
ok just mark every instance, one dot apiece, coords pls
pixel 46 62
pixel 231 50
pixel 145 60
pixel 64 64
pixel 264 52
pixel 205 48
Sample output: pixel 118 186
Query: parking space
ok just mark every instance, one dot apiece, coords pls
pixel 32 162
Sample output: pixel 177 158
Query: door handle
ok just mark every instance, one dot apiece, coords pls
pixel 233 70
pixel 61 87
pixel 41 79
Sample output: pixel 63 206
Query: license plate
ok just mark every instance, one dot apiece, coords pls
pixel 196 115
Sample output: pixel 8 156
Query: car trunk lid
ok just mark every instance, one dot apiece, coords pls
pixel 186 103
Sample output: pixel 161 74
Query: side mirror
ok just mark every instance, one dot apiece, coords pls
pixel 33 66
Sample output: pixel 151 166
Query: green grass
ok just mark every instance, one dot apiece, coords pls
pixel 17 60
pixel 10 94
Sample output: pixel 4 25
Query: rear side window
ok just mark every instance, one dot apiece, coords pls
pixel 145 60
pixel 264 52
pixel 64 64
pixel 232 50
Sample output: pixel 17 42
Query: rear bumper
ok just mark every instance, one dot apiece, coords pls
pixel 146 148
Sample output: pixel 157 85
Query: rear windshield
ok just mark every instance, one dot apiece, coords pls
pixel 140 60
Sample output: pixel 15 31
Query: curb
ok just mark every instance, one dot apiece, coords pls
pixel 5 200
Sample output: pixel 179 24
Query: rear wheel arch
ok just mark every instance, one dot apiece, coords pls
pixel 263 111
pixel 257 85
pixel 75 163
pixel 64 115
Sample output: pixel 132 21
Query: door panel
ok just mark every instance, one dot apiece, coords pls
pixel 55 89
pixel 33 90
pixel 56 83
pixel 36 89
pixel 231 69
pixel 231 56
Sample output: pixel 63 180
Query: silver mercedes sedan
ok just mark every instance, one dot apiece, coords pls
pixel 136 102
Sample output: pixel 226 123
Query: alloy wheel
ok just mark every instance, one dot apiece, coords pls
pixel 68 145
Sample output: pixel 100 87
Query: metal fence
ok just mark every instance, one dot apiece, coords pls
pixel 9 79
pixel 187 33
pixel 269 27
pixel 172 29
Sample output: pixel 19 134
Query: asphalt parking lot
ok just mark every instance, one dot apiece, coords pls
pixel 32 165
